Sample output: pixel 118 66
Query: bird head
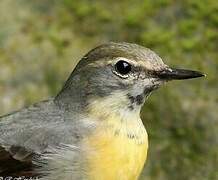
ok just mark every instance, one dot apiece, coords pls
pixel 119 76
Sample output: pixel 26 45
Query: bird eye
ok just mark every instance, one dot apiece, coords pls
pixel 123 67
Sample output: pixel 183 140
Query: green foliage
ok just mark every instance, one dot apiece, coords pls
pixel 41 41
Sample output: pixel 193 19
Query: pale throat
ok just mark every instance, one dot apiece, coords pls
pixel 119 115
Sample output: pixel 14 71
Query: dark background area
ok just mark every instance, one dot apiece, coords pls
pixel 41 41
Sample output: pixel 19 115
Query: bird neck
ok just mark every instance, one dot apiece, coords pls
pixel 117 104
pixel 113 113
pixel 73 96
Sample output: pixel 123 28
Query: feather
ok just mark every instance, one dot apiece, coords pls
pixel 9 166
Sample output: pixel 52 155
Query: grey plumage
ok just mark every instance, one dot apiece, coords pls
pixel 45 139
pixel 36 130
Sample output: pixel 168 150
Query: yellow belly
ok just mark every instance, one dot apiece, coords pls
pixel 116 156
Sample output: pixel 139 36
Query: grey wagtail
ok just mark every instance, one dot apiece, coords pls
pixel 92 129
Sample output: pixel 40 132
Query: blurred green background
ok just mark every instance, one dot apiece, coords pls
pixel 42 40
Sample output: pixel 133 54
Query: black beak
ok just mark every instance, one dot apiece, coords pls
pixel 178 74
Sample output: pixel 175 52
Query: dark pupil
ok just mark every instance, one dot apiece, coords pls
pixel 123 67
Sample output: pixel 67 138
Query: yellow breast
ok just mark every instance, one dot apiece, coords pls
pixel 115 155
pixel 117 149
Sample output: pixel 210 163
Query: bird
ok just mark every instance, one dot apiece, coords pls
pixel 92 128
